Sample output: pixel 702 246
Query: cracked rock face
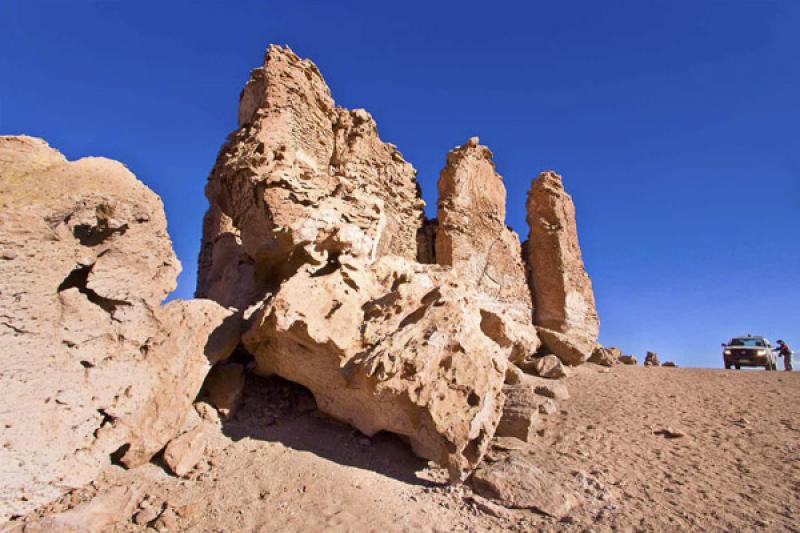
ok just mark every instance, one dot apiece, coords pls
pixel 472 237
pixel 565 313
pixel 299 181
pixel 94 368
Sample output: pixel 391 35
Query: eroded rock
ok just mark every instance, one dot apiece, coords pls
pixel 300 182
pixel 605 356
pixel 396 346
pixel 651 359
pixel 95 369
pixel 516 483
pixel 564 305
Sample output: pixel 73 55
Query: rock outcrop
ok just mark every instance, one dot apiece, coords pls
pixel 565 313
pixel 94 368
pixel 395 346
pixel 315 227
pixel 300 182
pixel 482 251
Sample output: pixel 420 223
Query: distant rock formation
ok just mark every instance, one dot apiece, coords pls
pixel 94 368
pixel 651 359
pixel 565 313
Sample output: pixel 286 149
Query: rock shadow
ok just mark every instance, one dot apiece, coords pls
pixel 276 410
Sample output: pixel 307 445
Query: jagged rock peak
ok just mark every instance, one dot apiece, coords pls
pixel 301 180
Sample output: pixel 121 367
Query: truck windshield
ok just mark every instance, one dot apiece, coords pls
pixel 747 342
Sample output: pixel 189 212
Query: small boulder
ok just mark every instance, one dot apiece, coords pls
pixel 605 356
pixel 628 360
pixel 521 412
pixel 516 483
pixel 651 359
pixel 547 366
pixel 184 452
pixel 670 364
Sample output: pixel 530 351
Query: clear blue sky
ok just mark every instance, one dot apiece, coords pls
pixel 676 125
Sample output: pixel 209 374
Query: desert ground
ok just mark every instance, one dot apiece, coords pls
pixel 647 449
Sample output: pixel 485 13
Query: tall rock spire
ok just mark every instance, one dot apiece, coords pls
pixel 565 311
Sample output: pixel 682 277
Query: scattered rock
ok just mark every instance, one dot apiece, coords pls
pixel 518 484
pixel 571 349
pixel 547 366
pixel 605 356
pixel 628 360
pixel 183 453
pixel 651 359
pixel 147 515
pixel 168 521
pixel 670 433
pixel 670 364
pixel 521 416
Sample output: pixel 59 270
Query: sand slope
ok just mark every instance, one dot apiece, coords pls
pixel 280 466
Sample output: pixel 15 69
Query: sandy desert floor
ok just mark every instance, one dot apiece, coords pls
pixel 732 464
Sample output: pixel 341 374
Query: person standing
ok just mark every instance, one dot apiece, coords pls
pixel 785 352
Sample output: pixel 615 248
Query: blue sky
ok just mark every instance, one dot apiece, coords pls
pixel 676 125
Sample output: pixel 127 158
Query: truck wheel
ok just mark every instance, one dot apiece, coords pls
pixel 738 367
pixel 727 366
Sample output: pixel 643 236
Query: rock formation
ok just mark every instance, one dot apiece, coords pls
pixel 94 368
pixel 473 239
pixel 299 182
pixel 605 356
pixel 651 359
pixel 565 313
pixel 316 226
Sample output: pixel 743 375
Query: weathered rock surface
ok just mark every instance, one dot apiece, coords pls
pixel 94 368
pixel 396 346
pixel 300 181
pixel 670 364
pixel 605 356
pixel 628 360
pixel 522 413
pixel 472 236
pixel 564 308
pixel 516 483
pixel 651 359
